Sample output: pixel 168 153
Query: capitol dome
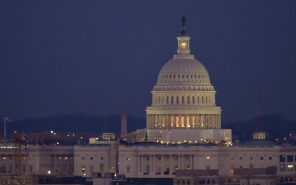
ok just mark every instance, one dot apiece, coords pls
pixel 183 71
pixel 183 96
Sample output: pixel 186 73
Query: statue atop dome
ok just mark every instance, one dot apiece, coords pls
pixel 183 28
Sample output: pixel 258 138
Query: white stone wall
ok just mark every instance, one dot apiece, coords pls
pixel 226 159
pixel 91 158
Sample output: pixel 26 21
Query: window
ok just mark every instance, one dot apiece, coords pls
pixel 102 168
pixel 91 158
pixel 102 158
pixel 83 158
pixel 270 158
pixel 282 167
pixel 128 158
pixel 261 158
pixel 290 167
pixel 282 158
pixel 290 158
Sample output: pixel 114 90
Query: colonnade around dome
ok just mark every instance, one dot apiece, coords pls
pixel 200 121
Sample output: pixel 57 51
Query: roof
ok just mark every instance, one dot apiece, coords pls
pixel 258 142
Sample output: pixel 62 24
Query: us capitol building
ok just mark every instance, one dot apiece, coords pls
pixel 182 144
pixel 183 101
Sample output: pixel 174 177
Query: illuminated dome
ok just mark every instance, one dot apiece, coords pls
pixel 183 101
pixel 183 71
pixel 183 96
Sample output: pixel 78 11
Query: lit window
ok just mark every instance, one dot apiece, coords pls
pixel 282 167
pixel 128 158
pixel 183 44
pixel 60 158
pixel 231 170
pixel 66 158
pixel 290 167
pixel 208 158
pixel 182 121
pixel 4 157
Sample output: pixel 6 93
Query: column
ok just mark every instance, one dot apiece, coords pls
pixel 174 121
pixel 141 166
pixel 167 120
pixel 151 164
pixel 162 164
pixel 211 120
pixel 171 164
pixel 139 163
pixel 219 118
pixel 180 162
pixel 192 162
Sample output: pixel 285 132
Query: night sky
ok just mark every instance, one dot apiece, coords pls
pixel 103 57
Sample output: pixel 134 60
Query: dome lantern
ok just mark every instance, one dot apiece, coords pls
pixel 183 50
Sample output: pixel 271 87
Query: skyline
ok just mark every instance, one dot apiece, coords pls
pixel 103 58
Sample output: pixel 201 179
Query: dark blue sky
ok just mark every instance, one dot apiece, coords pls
pixel 103 57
